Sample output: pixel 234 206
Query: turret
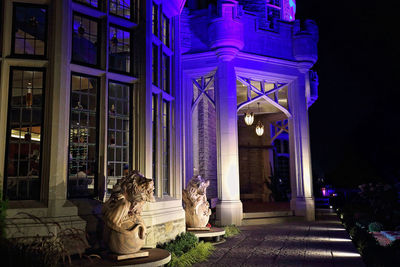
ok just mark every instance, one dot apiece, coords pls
pixel 226 30
pixel 305 40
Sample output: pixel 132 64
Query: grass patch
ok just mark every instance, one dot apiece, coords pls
pixel 197 254
pixel 231 230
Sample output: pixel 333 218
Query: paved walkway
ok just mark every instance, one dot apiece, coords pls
pixel 321 243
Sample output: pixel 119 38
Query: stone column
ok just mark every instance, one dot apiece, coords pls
pixel 302 201
pixel 305 39
pixel 226 39
pixel 229 208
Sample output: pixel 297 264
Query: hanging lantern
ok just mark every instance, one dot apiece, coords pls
pixel 249 118
pixel 259 128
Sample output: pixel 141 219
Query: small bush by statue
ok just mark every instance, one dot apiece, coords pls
pixel 124 229
pixel 196 205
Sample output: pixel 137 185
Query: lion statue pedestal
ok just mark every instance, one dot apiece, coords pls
pixel 124 229
pixel 197 209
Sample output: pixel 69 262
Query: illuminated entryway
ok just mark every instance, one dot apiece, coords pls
pixel 263 160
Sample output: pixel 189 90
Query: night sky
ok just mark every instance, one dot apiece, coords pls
pixel 354 125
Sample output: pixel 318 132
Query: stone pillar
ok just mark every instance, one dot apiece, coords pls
pixel 302 201
pixel 229 208
pixel 305 39
pixel 226 39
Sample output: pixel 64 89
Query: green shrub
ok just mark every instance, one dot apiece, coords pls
pixel 3 209
pixel 231 230
pixel 375 227
pixel 182 244
pixel 197 254
pixel 354 232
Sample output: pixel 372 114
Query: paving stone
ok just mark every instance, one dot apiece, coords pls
pixel 320 243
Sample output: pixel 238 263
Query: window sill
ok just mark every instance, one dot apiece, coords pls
pixel 25 204
pixel 163 210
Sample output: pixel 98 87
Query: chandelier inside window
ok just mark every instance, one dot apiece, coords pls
pixel 114 40
pixel 248 117
pixel 81 30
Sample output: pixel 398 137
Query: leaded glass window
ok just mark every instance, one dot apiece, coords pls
pixel 85 40
pixel 83 137
pixel 155 19
pixel 92 3
pixel 29 30
pixel 154 122
pixel 119 51
pixel 122 8
pixel 118 158
pixel 165 30
pixel 165 73
pixel 24 133
pixel 154 65
pixel 162 99
pixel 165 146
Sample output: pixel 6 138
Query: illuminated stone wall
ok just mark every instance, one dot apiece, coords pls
pixel 206 147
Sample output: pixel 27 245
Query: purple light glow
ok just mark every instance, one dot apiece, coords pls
pixel 292 9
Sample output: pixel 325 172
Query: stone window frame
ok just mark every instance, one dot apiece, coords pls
pixel 134 6
pixel 131 59
pixel 204 83
pixel 75 109
pixel 89 3
pixel 165 96
pixel 46 30
pixel 106 75
pixel 98 40
pixel 131 111
pixel 43 123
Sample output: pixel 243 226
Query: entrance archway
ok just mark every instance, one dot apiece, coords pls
pixel 263 160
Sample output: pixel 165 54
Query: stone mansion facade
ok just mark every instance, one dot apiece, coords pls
pixel 90 89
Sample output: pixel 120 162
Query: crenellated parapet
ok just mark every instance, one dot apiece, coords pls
pixel 226 30
pixel 235 26
pixel 305 40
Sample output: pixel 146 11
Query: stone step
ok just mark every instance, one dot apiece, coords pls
pixel 267 214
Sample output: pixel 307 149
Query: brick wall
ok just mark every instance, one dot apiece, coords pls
pixel 205 145
pixel 255 157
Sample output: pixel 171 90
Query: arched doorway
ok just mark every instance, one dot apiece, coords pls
pixel 263 160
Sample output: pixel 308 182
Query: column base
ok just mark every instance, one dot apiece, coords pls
pixel 304 206
pixel 229 212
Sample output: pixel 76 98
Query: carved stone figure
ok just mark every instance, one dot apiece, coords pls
pixel 124 229
pixel 196 206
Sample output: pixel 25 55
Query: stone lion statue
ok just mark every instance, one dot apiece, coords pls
pixel 124 230
pixel 196 205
